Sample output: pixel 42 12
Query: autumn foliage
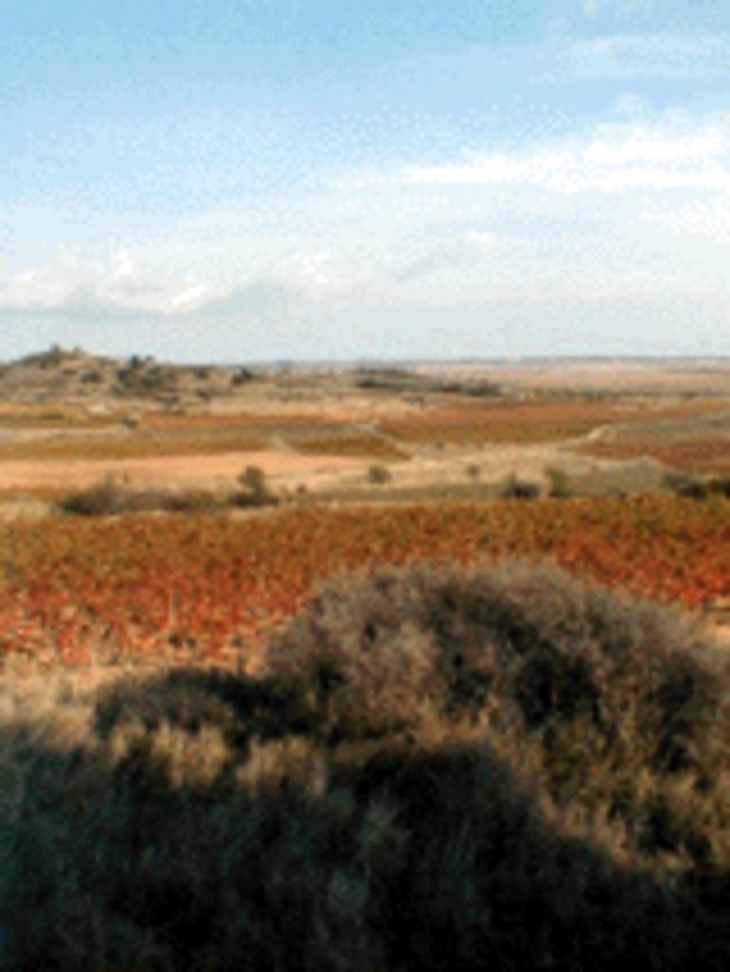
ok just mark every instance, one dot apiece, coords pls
pixel 202 586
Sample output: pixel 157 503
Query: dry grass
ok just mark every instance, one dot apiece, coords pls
pixel 132 445
pixel 348 443
pixel 58 414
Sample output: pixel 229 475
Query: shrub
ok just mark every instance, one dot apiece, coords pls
pixel 720 485
pixel 559 487
pixel 187 501
pixel 688 484
pixel 515 488
pixel 101 499
pixel 516 642
pixel 607 700
pixel 254 489
pixel 379 475
pixel 242 376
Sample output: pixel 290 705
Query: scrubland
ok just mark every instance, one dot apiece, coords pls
pixel 442 689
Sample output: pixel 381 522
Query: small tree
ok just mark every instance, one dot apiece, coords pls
pixel 254 489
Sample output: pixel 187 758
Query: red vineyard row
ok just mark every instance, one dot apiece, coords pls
pixel 212 586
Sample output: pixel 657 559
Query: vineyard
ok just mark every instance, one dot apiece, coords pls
pixel 705 454
pixel 210 587
pixel 213 748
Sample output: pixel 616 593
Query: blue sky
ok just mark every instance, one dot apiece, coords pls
pixel 247 180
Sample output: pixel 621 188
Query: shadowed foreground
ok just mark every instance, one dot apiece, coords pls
pixel 437 769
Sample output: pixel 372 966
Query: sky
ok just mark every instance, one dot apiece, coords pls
pixel 296 180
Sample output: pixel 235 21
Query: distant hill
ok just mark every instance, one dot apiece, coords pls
pixel 74 374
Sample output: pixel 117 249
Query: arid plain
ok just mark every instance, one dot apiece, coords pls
pixel 68 419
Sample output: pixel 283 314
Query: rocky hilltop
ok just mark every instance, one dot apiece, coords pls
pixel 75 375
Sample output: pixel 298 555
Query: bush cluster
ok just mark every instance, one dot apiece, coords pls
pixel 697 486
pixel 111 497
pixel 437 768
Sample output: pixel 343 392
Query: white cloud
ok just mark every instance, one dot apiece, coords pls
pixel 124 289
pixel 124 266
pixel 33 290
pixel 190 297
pixel 72 285
pixel 653 147
pixel 314 271
pixel 619 211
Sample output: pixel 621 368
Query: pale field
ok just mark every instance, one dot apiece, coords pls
pixel 680 377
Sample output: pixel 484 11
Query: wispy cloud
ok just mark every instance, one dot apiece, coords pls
pixel 700 55
pixel 458 253
pixel 593 7
pixel 612 159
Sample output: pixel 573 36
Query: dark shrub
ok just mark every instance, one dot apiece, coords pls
pixel 688 484
pixel 113 497
pixel 101 499
pixel 254 489
pixel 183 833
pixel 515 488
pixel 720 485
pixel 189 699
pixel 378 475
pixel 189 501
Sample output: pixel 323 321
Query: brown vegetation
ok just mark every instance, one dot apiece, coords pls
pixel 437 769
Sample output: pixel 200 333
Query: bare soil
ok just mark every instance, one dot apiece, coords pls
pixel 203 470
